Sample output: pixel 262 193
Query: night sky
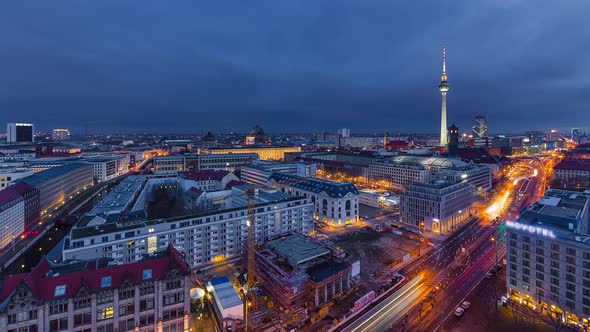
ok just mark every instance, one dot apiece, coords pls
pixel 294 66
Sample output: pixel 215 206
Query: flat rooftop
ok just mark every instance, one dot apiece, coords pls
pixel 54 172
pixel 297 249
pixel 561 212
pixel 118 199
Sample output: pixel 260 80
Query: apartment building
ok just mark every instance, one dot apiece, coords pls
pixel 205 238
pixel 151 295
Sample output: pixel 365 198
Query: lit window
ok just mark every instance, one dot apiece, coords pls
pixel 60 290
pixel 105 281
pixel 147 274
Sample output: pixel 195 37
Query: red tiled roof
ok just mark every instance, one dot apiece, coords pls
pixel 574 164
pixel 22 188
pixel 203 175
pixel 233 183
pixel 8 195
pixel 43 287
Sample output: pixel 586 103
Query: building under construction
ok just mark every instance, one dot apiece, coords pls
pixel 298 271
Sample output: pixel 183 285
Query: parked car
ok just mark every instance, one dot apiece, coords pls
pixel 466 305
pixel 459 312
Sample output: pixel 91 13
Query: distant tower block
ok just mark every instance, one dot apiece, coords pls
pixel 444 88
pixel 480 126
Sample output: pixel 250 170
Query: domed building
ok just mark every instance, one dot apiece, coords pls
pixel 257 137
pixel 208 141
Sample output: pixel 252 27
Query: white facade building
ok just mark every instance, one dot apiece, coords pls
pixel 195 162
pixel 260 171
pixel 334 202
pixel 437 206
pixel 105 168
pixel 11 173
pixel 204 238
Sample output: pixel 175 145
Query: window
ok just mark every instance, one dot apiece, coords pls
pixel 105 282
pixel 82 319
pixel 147 274
pixel 60 290
pixel 126 294
pixel 570 251
pixel 127 309
pixel 105 313
pixel 571 287
pixel 540 276
pixel 570 296
pixel 554 290
pixel 58 308
pixel 146 304
pixel 555 281
pixel 146 289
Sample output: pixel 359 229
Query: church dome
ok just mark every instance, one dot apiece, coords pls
pixel 257 131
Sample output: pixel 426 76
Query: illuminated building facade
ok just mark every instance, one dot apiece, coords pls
pixel 149 295
pixel 270 152
pixel 204 238
pixel 480 126
pixel 438 206
pixel 196 162
pixel 334 202
pixel 548 255
pixel 60 134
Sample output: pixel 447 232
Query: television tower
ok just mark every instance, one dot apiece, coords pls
pixel 444 87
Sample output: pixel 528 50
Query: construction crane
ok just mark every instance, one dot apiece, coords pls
pixel 251 223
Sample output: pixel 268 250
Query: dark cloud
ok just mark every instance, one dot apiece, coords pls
pixel 293 65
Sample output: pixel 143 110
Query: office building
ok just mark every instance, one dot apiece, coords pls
pixel 300 272
pixel 344 133
pixel 548 256
pixel 8 174
pixel 20 133
pixel 269 152
pixel 401 171
pixel 480 126
pixel 60 134
pixel 58 184
pixel 205 238
pixel 108 167
pixel 12 216
pixel 536 137
pixel 444 88
pixel 196 162
pixel 97 296
pixel 260 171
pixel 438 206
pixel 334 202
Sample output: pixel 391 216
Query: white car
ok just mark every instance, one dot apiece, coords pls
pixel 459 312
pixel 466 305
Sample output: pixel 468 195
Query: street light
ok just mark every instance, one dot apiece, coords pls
pixel 496 249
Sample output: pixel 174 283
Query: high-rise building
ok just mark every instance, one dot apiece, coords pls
pixel 480 126
pixel 60 134
pixel 575 134
pixel 444 88
pixel 453 144
pixel 536 137
pixel 20 132
pixel 344 132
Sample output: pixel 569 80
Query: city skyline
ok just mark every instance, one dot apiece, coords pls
pixel 321 65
